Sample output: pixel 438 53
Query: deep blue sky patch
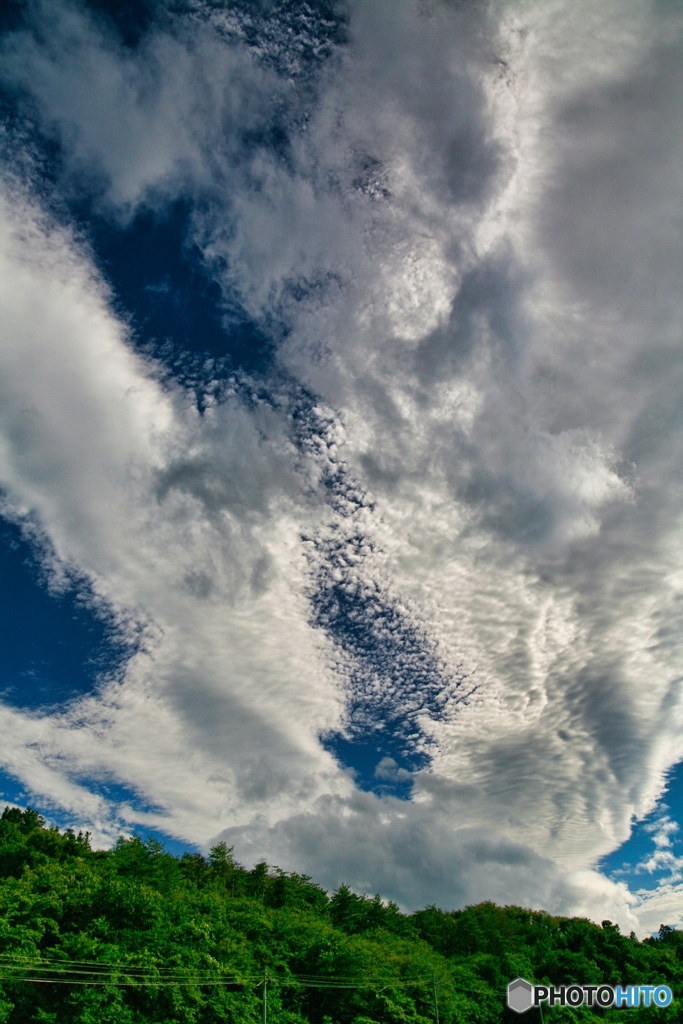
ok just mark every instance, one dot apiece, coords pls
pixel 54 645
pixel 175 306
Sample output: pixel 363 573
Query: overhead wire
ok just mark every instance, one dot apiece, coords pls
pixel 44 970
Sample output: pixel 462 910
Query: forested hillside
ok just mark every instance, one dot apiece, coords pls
pixel 135 935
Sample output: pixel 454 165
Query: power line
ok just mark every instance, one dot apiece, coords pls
pixel 16 968
pixel 125 978
pixel 93 968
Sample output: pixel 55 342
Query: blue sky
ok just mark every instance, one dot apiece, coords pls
pixel 340 442
pixel 654 850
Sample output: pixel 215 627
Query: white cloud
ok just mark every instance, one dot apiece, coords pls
pixel 145 122
pixel 184 525
pixel 468 251
pixel 660 906
pixel 418 855
pixel 664 861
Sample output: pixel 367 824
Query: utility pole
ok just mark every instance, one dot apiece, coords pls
pixel 436 1001
pixel 265 997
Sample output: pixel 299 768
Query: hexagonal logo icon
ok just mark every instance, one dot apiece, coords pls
pixel 520 995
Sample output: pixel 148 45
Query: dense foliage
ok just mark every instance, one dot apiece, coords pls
pixel 136 935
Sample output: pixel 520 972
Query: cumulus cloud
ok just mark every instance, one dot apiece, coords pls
pixel 417 855
pixel 455 515
pixel 660 906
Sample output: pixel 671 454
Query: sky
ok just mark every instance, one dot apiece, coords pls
pixel 340 439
